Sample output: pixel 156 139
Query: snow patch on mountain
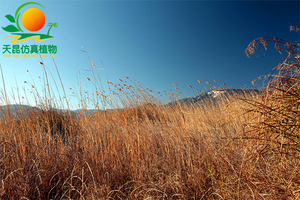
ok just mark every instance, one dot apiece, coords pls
pixel 215 93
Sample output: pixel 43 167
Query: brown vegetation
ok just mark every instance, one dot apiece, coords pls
pixel 238 148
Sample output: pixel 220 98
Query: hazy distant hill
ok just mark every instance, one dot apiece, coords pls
pixel 208 97
pixel 16 108
pixel 214 95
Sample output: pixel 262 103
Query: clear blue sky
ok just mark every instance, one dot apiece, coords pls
pixel 158 43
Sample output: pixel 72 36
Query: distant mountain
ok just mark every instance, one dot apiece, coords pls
pixel 214 95
pixel 16 108
pixel 83 111
pixel 208 97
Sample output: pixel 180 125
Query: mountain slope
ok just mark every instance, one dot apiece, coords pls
pixel 215 95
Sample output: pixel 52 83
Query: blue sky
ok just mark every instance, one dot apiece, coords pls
pixel 158 43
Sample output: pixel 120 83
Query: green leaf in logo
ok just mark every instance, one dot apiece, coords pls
pixel 10 18
pixel 11 28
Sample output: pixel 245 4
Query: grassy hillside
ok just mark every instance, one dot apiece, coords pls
pixel 240 147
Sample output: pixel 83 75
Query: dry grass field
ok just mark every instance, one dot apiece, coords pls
pixel 238 148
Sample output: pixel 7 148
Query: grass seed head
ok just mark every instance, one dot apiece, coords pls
pixel 93 64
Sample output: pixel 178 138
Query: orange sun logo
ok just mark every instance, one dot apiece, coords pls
pixel 33 19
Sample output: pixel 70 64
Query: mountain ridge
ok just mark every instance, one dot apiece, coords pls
pixel 210 96
pixel 214 95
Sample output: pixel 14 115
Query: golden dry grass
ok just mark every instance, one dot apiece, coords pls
pixel 156 152
pixel 237 148
pixel 149 151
